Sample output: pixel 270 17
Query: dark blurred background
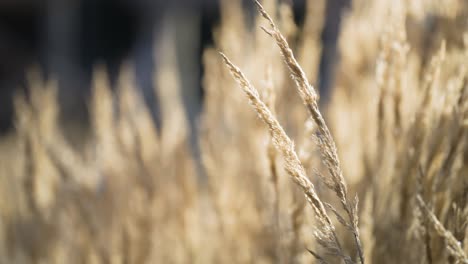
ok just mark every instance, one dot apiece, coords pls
pixel 66 38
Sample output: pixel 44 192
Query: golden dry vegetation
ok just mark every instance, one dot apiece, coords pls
pixel 377 175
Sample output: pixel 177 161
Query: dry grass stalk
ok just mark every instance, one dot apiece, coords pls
pixel 324 139
pixel 281 141
pixel 326 234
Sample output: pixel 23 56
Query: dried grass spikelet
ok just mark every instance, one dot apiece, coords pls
pixel 280 139
pixel 325 140
pixel 282 243
pixel 326 233
pixel 309 97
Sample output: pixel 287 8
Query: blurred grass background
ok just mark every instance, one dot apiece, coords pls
pixel 67 38
pixel 130 142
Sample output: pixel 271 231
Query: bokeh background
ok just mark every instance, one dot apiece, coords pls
pixel 66 39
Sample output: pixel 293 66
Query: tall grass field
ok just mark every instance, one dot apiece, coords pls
pixel 376 174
